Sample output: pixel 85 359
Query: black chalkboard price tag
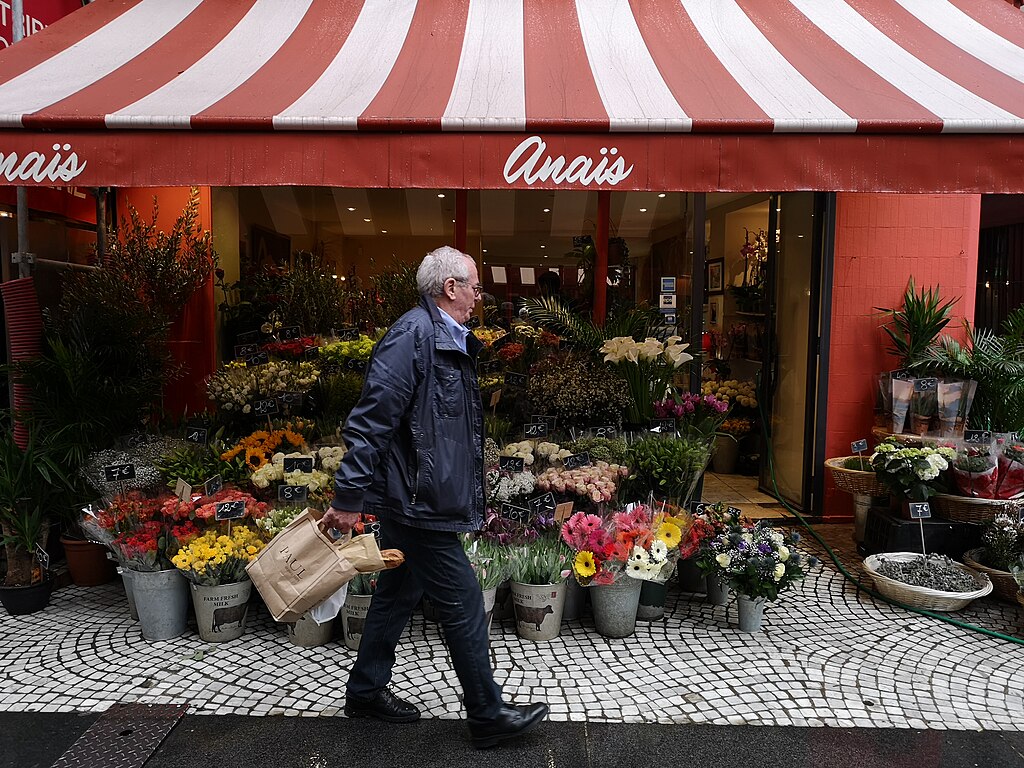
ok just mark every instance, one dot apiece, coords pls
pixel 290 399
pixel 925 385
pixel 290 333
pixel 511 463
pixel 551 421
pixel 116 473
pixel 699 507
pixel 265 407
pixel 977 436
pixel 311 353
pixel 512 512
pixel 196 435
pixel 43 557
pixel 248 337
pixel 246 350
pixel 346 334
pixel 214 485
pixel 374 528
pixel 919 510
pixel 859 446
pixel 352 364
pixel 734 511
pixel 535 430
pixel 229 510
pixel 901 375
pixel 576 461
pixel 609 432
pixel 473 322
pixel 664 426
pixel 298 464
pixel 543 505
pixel 292 494
pixel 517 380
pixel 489 366
pixel 259 358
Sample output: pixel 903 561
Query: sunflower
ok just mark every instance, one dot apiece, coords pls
pixel 584 564
pixel 670 534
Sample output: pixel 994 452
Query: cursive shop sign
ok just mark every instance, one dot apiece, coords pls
pixel 62 165
pixel 532 162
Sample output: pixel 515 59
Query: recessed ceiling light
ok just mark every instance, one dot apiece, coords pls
pixel 334 276
pixel 543 246
pixel 547 210
pixel 351 209
pixel 383 231
pixel 440 194
pixel 799 235
pixel 662 194
pixel 545 255
pixel 367 220
pixel 643 210
pixel 485 250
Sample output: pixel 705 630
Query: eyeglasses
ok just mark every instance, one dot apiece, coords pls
pixel 477 288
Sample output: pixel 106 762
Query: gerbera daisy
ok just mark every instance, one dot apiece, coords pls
pixel 584 564
pixel 670 534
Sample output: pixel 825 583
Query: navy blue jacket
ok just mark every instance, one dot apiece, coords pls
pixel 415 439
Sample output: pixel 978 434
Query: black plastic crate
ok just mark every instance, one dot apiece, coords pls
pixel 884 532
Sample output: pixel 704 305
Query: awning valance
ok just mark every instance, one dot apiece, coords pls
pixel 855 76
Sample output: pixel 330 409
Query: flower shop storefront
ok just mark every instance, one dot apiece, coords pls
pixel 687 156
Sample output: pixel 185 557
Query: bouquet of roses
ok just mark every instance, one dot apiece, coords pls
pixel 595 483
pixel 144 533
pixel 976 471
pixel 1011 469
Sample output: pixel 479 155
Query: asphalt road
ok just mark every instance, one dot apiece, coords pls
pixel 29 740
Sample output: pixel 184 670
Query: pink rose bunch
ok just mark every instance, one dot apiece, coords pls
pixel 597 482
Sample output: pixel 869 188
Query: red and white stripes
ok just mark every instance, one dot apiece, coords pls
pixel 812 66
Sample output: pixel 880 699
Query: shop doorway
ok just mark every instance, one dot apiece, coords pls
pixel 762 320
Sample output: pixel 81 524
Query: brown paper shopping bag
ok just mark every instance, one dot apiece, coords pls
pixel 302 566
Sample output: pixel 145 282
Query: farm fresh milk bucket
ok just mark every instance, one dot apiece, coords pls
pixel 538 609
pixel 221 610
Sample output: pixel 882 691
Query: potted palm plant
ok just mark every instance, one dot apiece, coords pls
pixel 31 483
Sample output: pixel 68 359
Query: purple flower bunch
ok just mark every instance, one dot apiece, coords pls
pixel 506 532
pixel 696 415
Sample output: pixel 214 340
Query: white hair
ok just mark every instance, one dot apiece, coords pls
pixel 437 266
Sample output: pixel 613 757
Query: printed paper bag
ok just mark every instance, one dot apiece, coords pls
pixel 302 566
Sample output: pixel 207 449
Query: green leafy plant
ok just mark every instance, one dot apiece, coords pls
pixel 545 560
pixel 488 559
pixel 32 485
pixel 393 293
pixel 195 464
pixel 913 328
pixel 996 362
pixel 363 583
pixel 311 297
pixel 580 332
pixel 667 467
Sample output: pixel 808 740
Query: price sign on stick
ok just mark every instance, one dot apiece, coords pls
pixel 290 399
pixel 512 512
pixel 229 510
pixel 542 505
pixel 517 380
pixel 347 334
pixel 248 337
pixel 511 463
pixel 116 473
pixel 292 494
pixel 563 512
pixel 264 407
pixel 977 436
pixel 246 350
pixel 298 464
pixel 43 557
pixel 576 461
pixel 609 432
pixel 534 431
pixel 196 435
pixel 859 446
pixel 920 511
pixel 183 490
pixel 664 426
pixel 290 333
pixel 213 485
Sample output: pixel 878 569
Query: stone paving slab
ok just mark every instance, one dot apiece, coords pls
pixel 828 656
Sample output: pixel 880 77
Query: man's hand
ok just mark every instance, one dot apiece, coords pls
pixel 339 520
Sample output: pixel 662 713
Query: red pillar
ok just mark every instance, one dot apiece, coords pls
pixel 461 223
pixel 881 241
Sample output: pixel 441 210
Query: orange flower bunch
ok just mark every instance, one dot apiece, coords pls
pixel 261 445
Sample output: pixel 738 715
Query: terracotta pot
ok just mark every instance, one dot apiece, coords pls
pixel 87 562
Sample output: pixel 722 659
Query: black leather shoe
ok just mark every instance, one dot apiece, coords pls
pixel 513 721
pixel 383 705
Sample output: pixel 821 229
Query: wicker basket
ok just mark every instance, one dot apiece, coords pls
pixel 854 480
pixel 922 597
pixel 964 509
pixel 1004 586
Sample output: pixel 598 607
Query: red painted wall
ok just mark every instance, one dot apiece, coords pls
pixel 193 333
pixel 881 241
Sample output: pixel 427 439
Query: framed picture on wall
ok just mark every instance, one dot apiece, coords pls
pixel 716 276
pixel 716 308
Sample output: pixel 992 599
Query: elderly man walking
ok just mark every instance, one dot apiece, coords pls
pixel 415 460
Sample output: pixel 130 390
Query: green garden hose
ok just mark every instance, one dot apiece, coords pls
pixel 846 574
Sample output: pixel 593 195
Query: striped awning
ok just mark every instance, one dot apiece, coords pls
pixel 719 69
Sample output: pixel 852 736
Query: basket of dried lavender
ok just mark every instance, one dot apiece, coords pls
pixel 933 583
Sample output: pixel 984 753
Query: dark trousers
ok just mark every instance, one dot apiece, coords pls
pixel 435 564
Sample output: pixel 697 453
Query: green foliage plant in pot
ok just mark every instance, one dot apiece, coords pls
pixel 667 467
pixel 32 485
pixel 911 474
pixel 914 327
